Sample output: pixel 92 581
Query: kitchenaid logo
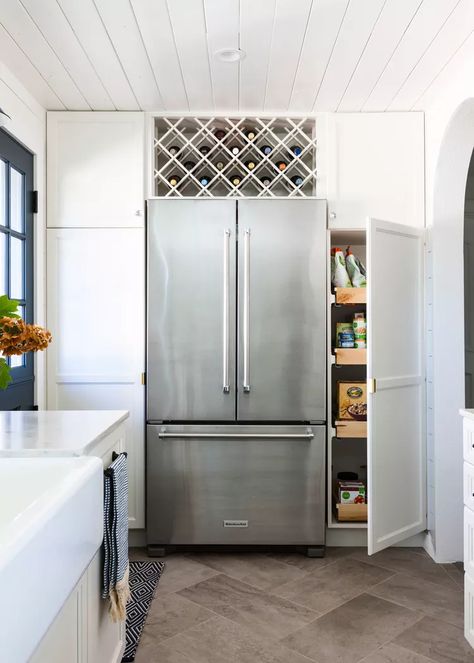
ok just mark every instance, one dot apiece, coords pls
pixel 236 523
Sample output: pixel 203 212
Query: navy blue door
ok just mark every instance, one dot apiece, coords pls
pixel 16 258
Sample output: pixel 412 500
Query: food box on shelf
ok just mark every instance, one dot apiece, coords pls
pixel 350 492
pixel 352 400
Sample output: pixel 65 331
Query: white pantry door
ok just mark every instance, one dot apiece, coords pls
pixel 396 458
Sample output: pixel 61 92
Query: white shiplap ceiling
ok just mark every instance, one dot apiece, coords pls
pixel 301 55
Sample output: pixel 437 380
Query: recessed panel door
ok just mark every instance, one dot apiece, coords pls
pixel 191 310
pixel 282 310
pixel 395 368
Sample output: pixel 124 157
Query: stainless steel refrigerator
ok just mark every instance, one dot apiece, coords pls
pixel 236 402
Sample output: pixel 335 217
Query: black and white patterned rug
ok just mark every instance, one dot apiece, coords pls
pixel 144 577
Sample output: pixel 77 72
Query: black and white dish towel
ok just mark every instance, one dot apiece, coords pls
pixel 116 569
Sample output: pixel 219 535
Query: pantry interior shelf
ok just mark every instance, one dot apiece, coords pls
pixel 348 428
pixel 350 356
pixel 350 295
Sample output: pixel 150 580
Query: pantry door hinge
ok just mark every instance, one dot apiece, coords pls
pixel 372 386
pixel 34 202
pixel 143 378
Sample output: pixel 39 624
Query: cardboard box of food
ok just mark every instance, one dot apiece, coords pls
pixel 350 492
pixel 352 400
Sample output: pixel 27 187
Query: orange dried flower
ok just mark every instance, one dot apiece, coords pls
pixel 17 337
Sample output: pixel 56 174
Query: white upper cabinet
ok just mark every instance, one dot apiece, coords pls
pixel 374 167
pixel 95 169
pixel 396 459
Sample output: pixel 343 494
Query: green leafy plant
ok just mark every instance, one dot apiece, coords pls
pixel 17 337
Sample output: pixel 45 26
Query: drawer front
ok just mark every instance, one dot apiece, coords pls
pixel 468 437
pixel 469 485
pixel 469 609
pixel 469 541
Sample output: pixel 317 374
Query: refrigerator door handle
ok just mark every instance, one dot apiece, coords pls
pixel 246 312
pixel 226 315
pixel 239 436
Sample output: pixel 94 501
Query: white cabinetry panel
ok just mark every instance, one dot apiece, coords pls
pixel 375 168
pixel 96 311
pixel 95 167
pixel 396 453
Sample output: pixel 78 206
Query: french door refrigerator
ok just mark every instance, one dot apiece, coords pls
pixel 236 358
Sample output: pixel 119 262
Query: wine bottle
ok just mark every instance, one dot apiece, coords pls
pixel 219 165
pixel 266 181
pixel 173 150
pixel 281 165
pixel 219 134
pixel 204 149
pixel 204 180
pixel 189 165
pixel 296 149
pixel 297 180
pixel 250 164
pixel 236 179
pixel 250 133
pixel 174 180
pixel 235 149
pixel 266 149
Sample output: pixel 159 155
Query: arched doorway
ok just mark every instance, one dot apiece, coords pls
pixel 469 287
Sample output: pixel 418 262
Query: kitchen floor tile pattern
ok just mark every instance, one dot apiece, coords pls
pixel 395 607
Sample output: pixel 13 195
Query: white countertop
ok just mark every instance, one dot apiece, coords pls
pixel 55 432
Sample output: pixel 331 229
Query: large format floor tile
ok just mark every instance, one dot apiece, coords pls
pixel 352 631
pixel 409 561
pixel 150 650
pixel 170 614
pixel 437 640
pixel 270 616
pixel 413 592
pixel 258 570
pixel 308 564
pixel 395 654
pixel 222 641
pixel 333 585
pixel 180 572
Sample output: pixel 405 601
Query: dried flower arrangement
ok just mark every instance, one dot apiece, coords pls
pixel 17 337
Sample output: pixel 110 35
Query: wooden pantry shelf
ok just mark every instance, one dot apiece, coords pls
pixel 348 428
pixel 351 512
pixel 351 295
pixel 350 356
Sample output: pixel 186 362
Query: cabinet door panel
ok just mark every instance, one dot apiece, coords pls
pixel 96 311
pixel 95 170
pixel 396 431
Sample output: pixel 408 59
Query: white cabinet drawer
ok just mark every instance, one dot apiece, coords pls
pixel 468 440
pixel 469 609
pixel 469 485
pixel 469 541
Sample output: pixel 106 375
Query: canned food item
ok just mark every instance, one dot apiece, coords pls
pixel 344 335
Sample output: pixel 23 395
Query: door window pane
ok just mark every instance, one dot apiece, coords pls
pixel 17 360
pixel 17 200
pixel 3 263
pixel 3 187
pixel 17 281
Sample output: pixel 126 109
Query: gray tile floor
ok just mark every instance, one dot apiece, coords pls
pixel 395 607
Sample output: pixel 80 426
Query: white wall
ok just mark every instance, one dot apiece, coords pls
pixel 449 140
pixel 28 126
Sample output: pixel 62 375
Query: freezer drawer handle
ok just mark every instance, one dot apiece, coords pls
pixel 239 436
pixel 246 325
pixel 225 321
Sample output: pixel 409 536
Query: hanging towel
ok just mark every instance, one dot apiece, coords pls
pixel 115 578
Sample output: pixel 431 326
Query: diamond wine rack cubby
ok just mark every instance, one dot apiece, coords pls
pixel 234 157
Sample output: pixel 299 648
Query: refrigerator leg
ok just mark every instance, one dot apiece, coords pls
pixel 316 551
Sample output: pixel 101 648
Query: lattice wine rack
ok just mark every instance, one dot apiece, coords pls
pixel 226 157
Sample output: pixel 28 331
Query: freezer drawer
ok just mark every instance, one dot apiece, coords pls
pixel 234 485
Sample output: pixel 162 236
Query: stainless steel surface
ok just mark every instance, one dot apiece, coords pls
pixel 185 316
pixel 282 310
pixel 205 489
pixel 239 435
pixel 246 312
pixel 226 313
